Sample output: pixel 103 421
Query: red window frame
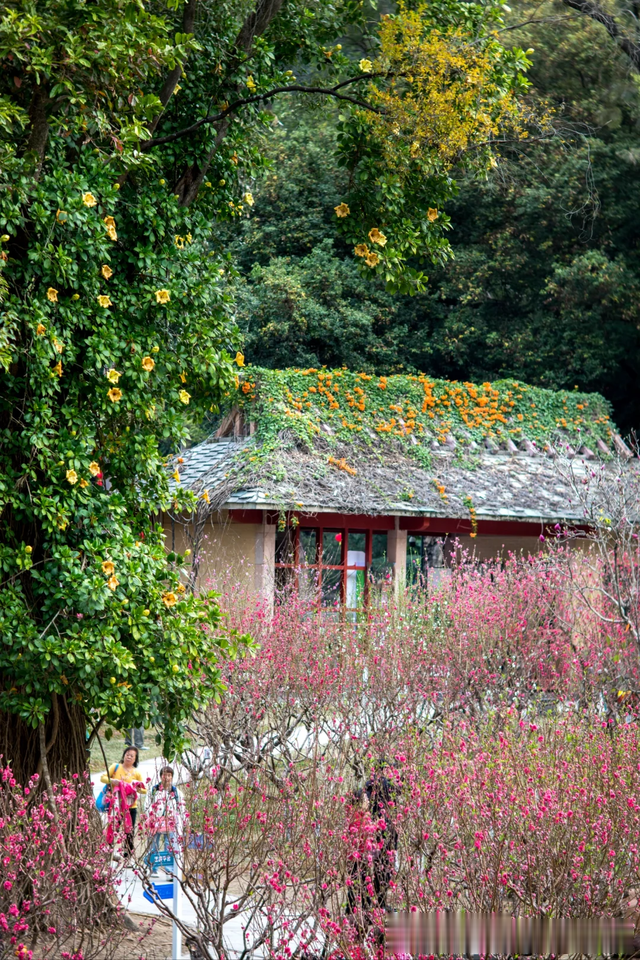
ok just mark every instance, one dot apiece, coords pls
pixel 296 566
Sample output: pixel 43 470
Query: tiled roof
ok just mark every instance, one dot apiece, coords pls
pixel 344 442
pixel 499 484
pixel 207 466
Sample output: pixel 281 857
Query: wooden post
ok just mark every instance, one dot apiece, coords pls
pixel 397 553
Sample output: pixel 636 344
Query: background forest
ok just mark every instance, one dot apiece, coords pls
pixel 545 280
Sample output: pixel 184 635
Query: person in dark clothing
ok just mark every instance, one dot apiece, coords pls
pixel 360 833
pixel 380 795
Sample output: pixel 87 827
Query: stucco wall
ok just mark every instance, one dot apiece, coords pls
pixel 233 555
pixel 486 547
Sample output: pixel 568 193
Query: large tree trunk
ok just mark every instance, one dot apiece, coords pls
pixel 66 743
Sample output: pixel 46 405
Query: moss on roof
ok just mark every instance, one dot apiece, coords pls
pixel 414 410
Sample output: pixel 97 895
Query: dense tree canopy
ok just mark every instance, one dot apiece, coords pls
pixel 171 169
pixel 543 285
pixel 129 133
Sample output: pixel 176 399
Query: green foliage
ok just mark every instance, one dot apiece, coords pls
pixel 543 284
pixel 82 399
pixel 115 336
pixel 341 405
pixel 443 88
pixel 81 65
pixel 313 307
pixel 116 332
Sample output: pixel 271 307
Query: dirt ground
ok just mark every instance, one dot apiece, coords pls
pixel 153 942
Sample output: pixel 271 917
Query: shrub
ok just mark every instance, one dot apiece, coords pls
pixel 57 895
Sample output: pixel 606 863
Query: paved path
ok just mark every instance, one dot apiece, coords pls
pixel 131 889
pixel 130 892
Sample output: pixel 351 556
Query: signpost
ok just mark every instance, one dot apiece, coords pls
pixel 176 936
pixel 163 890
pixel 161 860
pixel 168 891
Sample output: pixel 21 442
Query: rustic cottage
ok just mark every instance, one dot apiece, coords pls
pixel 340 483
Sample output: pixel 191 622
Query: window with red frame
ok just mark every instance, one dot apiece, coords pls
pixel 332 566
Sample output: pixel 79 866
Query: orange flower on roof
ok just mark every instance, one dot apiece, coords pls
pixel 342 464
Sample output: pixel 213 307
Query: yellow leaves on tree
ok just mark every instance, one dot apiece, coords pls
pixel 446 95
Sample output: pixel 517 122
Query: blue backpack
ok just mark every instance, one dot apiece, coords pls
pixel 103 800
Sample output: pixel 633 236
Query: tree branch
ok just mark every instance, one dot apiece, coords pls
pixel 525 23
pixel 47 777
pixel 256 23
pixel 169 85
pixel 257 98
pixel 39 135
pixel 56 722
pixel 592 10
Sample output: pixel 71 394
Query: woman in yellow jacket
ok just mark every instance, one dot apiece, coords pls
pixel 126 770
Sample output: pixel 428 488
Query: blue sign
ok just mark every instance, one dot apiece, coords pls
pixel 163 890
pixel 161 860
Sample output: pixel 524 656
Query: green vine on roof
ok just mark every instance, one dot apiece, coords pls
pixel 345 406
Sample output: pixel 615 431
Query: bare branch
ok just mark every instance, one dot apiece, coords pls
pixel 525 23
pixel 628 46
pixel 257 98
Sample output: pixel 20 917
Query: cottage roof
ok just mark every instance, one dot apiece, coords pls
pixel 339 441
